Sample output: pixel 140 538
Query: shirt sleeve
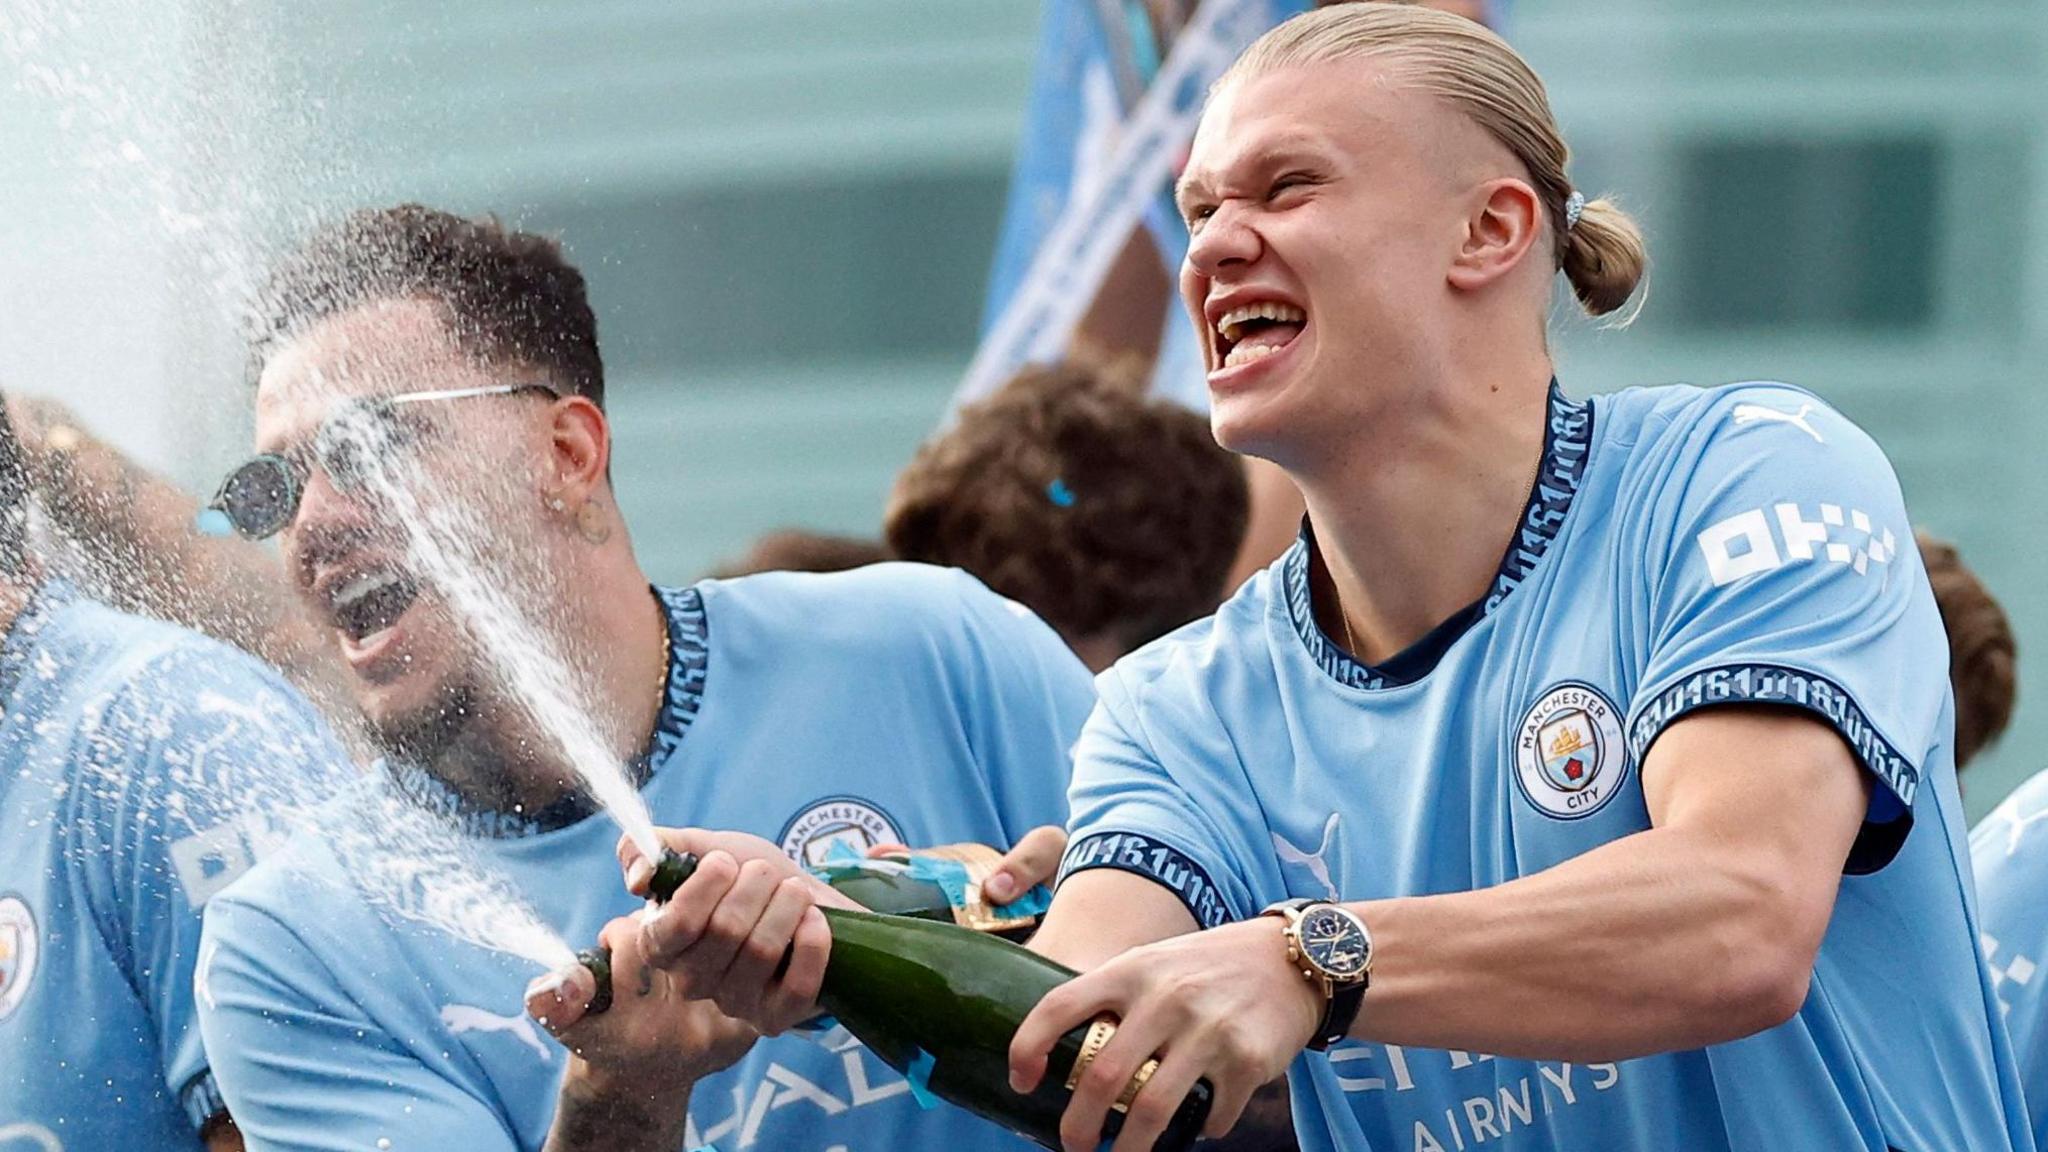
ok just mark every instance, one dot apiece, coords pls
pixel 2009 854
pixel 302 1066
pixel 1789 578
pixel 179 770
pixel 1131 813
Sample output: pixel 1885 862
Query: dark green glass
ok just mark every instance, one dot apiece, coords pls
pixel 940 1002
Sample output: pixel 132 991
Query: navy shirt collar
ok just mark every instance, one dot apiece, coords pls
pixel 1567 442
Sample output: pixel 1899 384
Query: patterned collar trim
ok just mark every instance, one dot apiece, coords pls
pixel 689 633
pixel 1567 443
pixel 43 602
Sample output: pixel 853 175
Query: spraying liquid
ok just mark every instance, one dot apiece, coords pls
pixel 445 551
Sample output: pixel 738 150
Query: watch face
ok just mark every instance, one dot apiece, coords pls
pixel 1334 942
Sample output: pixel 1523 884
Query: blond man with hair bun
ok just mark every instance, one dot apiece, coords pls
pixel 1581 778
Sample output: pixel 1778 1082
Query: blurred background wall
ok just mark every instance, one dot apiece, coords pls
pixel 787 210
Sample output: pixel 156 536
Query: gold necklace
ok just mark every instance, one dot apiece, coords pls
pixel 667 654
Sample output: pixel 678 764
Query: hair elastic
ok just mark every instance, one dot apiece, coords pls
pixel 1574 207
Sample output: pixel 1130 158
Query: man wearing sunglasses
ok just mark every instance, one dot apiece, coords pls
pixel 431 438
pixel 138 762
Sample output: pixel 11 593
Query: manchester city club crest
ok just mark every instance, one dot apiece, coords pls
pixel 849 820
pixel 1569 754
pixel 18 947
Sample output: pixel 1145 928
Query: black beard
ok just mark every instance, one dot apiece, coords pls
pixel 450 739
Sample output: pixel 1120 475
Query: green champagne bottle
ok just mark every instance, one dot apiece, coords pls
pixel 939 1003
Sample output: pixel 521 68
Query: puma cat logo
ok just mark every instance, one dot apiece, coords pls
pixel 1751 413
pixel 460 1018
pixel 1313 861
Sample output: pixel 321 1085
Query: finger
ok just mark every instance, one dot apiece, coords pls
pixel 731 923
pixel 1032 862
pixel 558 999
pixel 755 964
pixel 1060 1011
pixel 1105 1079
pixel 795 999
pixel 682 841
pixel 877 851
pixel 1227 1104
pixel 1153 1108
pixel 671 930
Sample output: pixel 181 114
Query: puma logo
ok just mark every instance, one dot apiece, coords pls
pixel 1751 413
pixel 460 1018
pixel 1313 861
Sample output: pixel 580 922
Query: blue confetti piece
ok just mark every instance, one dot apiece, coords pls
pixel 920 1076
pixel 952 879
pixel 213 522
pixel 1059 493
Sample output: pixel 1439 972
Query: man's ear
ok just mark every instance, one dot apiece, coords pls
pixel 579 450
pixel 1504 222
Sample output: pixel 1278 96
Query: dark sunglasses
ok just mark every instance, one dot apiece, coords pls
pixel 260 497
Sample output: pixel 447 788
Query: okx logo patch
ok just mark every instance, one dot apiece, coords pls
pixel 1755 541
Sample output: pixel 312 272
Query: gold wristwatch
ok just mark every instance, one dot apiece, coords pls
pixel 1333 949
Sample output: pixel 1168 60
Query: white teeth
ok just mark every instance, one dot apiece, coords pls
pixel 1246 353
pixel 358 587
pixel 1233 320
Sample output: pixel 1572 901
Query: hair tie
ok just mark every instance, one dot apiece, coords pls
pixel 1574 207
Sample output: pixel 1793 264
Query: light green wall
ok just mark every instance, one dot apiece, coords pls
pixel 787 207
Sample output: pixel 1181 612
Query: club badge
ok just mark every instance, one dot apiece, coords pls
pixel 1569 755
pixel 846 820
pixel 19 945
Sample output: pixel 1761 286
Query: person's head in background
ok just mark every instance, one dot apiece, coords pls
pixel 801 550
pixel 1112 515
pixel 1983 659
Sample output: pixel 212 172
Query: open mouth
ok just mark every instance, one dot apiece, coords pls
pixel 368 603
pixel 1256 331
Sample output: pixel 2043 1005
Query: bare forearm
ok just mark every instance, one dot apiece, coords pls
pixel 135 531
pixel 591 1115
pixel 1654 942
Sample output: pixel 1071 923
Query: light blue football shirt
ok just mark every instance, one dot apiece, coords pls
pixel 1682 549
pixel 893 703
pixel 136 764
pixel 2009 849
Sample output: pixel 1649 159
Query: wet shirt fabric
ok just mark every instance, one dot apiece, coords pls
pixel 1682 549
pixel 823 712
pixel 138 762
pixel 2009 850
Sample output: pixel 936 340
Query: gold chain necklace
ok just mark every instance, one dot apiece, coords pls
pixel 667 654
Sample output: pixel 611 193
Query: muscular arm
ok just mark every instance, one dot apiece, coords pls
pixel 1104 913
pixel 1701 930
pixel 135 530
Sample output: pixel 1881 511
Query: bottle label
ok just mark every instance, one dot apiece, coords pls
pixel 959 870
pixel 1097 1038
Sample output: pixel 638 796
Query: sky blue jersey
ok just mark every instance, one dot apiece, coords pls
pixel 1681 549
pixel 136 761
pixel 893 703
pixel 2010 852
